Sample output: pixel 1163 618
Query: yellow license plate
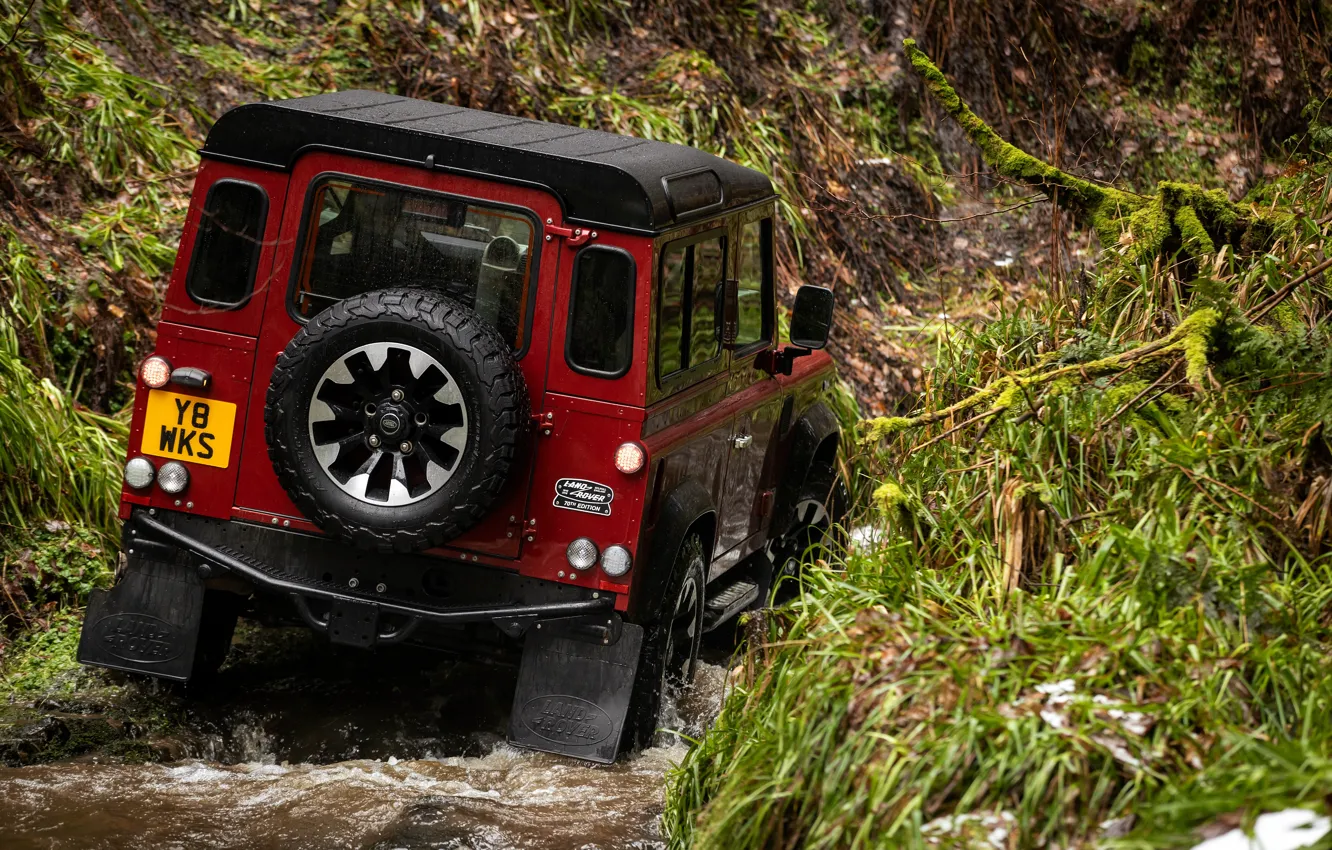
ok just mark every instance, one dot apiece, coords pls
pixel 187 428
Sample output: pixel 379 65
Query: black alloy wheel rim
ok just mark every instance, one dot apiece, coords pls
pixel 388 424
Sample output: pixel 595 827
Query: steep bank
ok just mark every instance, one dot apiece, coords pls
pixel 1090 606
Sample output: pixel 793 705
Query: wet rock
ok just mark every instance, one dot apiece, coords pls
pixel 23 744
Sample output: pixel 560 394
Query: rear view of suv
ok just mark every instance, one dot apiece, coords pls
pixel 436 375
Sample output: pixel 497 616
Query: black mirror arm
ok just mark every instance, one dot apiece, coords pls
pixel 778 361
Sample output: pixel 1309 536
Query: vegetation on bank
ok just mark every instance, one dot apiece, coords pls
pixel 1091 606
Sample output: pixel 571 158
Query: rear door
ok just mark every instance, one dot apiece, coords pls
pixel 352 225
pixel 211 317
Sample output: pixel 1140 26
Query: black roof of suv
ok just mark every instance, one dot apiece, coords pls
pixel 602 179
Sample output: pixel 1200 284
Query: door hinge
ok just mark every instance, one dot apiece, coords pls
pixel 544 423
pixel 575 235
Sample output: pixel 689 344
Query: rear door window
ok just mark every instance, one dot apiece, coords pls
pixel 362 236
pixel 226 249
pixel 689 311
pixel 599 340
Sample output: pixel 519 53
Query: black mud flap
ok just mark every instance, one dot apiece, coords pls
pixel 573 694
pixel 148 623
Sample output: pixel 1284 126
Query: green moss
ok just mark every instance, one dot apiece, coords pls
pixel 889 496
pixel 1144 65
pixel 36 662
pixel 1006 396
pixel 883 426
pixel 1196 239
pixel 1194 336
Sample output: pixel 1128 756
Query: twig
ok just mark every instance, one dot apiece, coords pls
pixel 19 26
pixel 1246 497
pixel 978 417
pixel 1284 292
pixel 1126 405
pixel 985 429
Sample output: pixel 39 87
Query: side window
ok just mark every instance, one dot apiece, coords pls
pixel 671 316
pixel 362 236
pixel 688 314
pixel 600 335
pixel 705 304
pixel 226 249
pixel 755 280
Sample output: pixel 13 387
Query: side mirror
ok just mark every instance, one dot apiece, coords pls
pixel 811 317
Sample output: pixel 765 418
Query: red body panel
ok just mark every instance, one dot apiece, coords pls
pixel 230 360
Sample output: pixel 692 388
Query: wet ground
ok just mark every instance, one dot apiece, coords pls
pixel 297 747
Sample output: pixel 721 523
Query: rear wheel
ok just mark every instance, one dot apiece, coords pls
pixel 669 657
pixel 217 626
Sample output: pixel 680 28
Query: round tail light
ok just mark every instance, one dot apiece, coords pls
pixel 616 561
pixel 582 554
pixel 155 371
pixel 139 472
pixel 630 457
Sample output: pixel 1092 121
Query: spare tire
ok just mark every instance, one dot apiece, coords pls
pixel 394 419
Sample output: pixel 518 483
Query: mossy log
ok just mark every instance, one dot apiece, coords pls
pixel 1180 217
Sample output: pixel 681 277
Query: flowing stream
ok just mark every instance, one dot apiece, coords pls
pixel 309 749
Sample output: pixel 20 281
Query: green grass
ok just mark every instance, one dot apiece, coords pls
pixel 59 461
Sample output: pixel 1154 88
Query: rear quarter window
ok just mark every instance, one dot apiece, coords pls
pixel 692 275
pixel 599 340
pixel 226 249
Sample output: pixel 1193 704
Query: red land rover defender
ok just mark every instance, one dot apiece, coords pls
pixel 436 375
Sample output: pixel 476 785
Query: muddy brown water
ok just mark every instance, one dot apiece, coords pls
pixel 307 749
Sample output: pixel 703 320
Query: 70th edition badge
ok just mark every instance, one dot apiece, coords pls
pixel 587 497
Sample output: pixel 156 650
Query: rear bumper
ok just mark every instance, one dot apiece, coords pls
pixel 512 618
pixel 356 598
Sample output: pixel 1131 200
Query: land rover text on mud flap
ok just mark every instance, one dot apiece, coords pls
pixel 431 374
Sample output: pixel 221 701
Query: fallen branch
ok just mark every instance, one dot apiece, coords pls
pixel 1181 217
pixel 1275 299
pixel 1189 338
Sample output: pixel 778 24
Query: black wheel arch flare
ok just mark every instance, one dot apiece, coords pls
pixel 685 510
pixel 814 441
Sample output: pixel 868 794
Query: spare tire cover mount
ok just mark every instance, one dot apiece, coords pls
pixel 394 419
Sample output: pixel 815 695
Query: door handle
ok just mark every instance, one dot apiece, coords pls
pixel 742 441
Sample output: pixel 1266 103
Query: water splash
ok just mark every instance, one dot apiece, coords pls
pixel 502 797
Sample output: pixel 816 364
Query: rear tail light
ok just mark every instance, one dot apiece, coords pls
pixel 616 561
pixel 173 477
pixel 155 371
pixel 139 472
pixel 630 457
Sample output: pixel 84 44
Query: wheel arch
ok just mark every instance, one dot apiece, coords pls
pixel 817 435
pixel 687 509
